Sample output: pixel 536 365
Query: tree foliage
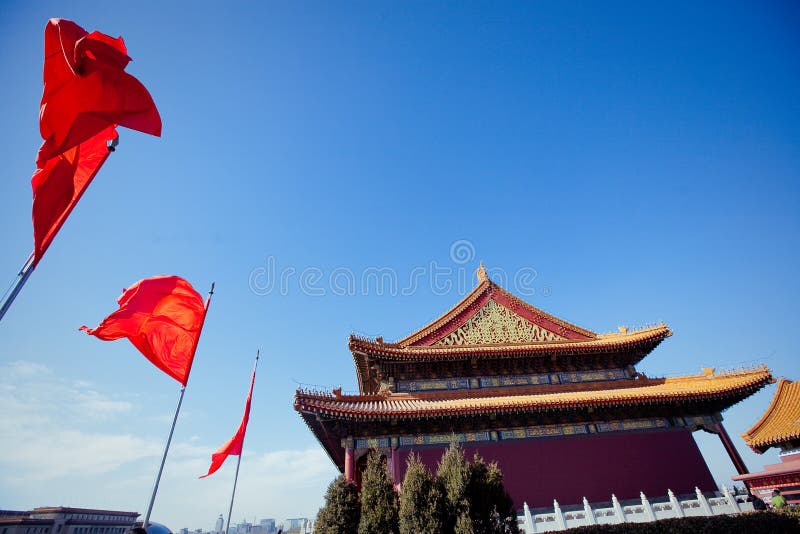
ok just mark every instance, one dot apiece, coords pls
pixel 378 498
pixel 491 508
pixel 341 512
pixel 421 501
pixel 462 498
pixel 453 476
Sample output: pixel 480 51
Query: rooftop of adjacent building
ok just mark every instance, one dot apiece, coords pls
pixel 779 426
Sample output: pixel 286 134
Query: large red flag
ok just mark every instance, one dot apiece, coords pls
pixel 162 316
pixel 233 447
pixel 87 93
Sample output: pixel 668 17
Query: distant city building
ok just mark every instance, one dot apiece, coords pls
pixel 184 531
pixel 63 520
pixel 220 525
pixel 268 526
pixel 299 525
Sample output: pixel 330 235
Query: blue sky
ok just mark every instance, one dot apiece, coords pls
pixel 637 163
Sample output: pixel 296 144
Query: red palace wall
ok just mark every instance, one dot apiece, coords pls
pixel 567 469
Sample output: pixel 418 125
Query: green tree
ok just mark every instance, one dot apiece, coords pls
pixel 491 508
pixel 421 500
pixel 341 511
pixel 453 477
pixel 378 498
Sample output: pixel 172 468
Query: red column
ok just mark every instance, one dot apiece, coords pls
pixel 349 465
pixel 395 467
pixel 731 450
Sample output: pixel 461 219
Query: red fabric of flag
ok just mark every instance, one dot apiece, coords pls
pixel 233 447
pixel 59 184
pixel 86 89
pixel 87 93
pixel 162 316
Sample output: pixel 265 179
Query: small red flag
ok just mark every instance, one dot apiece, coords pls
pixel 163 317
pixel 233 447
pixel 87 93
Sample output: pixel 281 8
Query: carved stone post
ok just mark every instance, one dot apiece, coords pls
pixel 648 510
pixel 618 511
pixel 676 504
pixel 731 500
pixel 701 499
pixel 590 519
pixel 562 525
pixel 530 527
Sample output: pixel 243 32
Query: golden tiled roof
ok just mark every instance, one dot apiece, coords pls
pixel 781 421
pixel 707 386
pixel 485 289
pixel 600 343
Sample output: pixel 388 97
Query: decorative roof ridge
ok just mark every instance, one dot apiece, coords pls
pixel 624 330
pixel 749 435
pixel 449 315
pixel 539 311
pixel 485 285
pixel 712 373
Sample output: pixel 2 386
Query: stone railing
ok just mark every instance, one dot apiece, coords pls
pixel 636 511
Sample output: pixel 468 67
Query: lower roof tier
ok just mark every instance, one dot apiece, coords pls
pixel 334 417
pixel 728 387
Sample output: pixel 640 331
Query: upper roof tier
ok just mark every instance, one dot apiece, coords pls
pixel 780 424
pixel 491 323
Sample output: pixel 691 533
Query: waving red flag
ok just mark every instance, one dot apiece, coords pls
pixel 233 447
pixel 59 184
pixel 163 317
pixel 87 93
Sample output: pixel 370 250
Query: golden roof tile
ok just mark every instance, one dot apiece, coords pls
pixel 780 422
pixel 618 393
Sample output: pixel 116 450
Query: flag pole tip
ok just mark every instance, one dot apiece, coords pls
pixel 211 291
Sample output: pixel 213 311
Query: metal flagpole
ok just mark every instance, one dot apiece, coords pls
pixel 175 419
pixel 239 461
pixel 22 277
pixel 163 460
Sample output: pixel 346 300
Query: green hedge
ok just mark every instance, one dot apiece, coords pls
pixel 750 523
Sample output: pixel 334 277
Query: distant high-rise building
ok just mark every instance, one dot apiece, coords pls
pixel 297 525
pixel 219 525
pixel 268 525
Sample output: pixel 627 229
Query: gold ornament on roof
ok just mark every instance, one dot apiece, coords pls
pixel 496 324
pixel 481 272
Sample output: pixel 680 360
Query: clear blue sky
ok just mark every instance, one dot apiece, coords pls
pixel 643 160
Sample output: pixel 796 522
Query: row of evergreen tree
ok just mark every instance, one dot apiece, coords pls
pixel 461 498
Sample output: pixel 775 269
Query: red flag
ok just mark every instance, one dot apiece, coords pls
pixel 59 184
pixel 163 317
pixel 87 93
pixel 234 445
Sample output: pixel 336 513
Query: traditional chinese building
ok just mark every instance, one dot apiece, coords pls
pixel 778 427
pixel 561 409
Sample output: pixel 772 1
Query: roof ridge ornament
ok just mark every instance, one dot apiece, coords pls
pixel 481 272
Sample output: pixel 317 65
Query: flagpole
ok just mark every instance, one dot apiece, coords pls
pixel 175 419
pixel 238 462
pixel 22 277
